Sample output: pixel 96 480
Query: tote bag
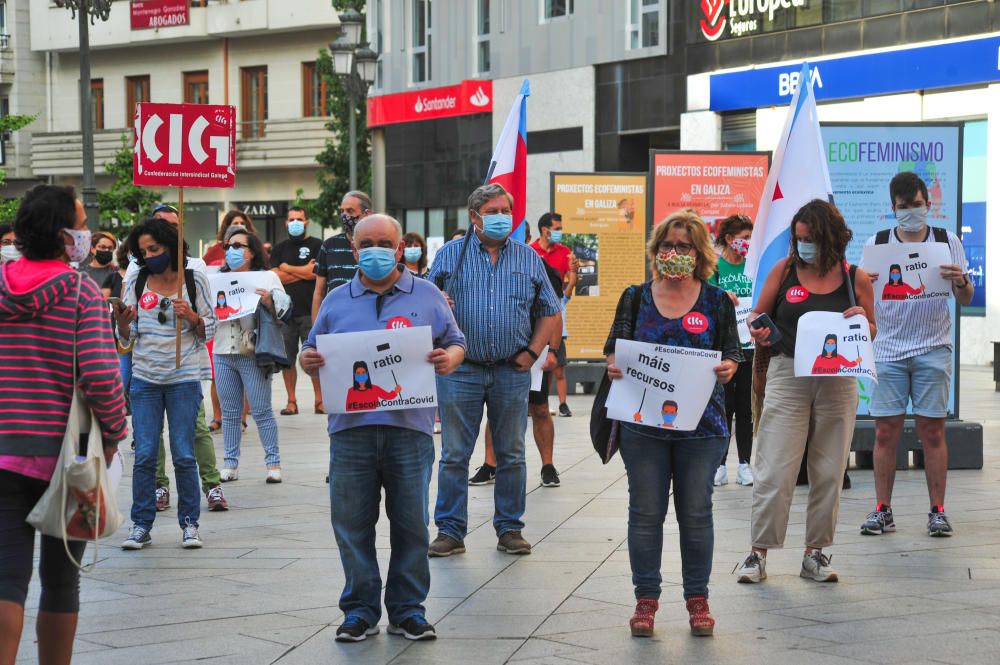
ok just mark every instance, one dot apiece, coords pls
pixel 79 503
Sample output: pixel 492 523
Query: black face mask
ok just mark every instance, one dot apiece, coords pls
pixel 349 222
pixel 103 256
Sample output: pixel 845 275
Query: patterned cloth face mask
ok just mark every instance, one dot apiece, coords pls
pixel 741 246
pixel 674 266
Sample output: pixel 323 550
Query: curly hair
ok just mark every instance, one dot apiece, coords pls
pixel 731 226
pixel 165 235
pixel 827 230
pixel 701 238
pixel 45 212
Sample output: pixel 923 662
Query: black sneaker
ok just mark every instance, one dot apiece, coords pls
pixel 355 629
pixel 564 411
pixel 486 475
pixel 550 477
pixel 414 628
pixel 938 525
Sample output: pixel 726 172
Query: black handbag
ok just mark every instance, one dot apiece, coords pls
pixel 603 430
pixel 269 347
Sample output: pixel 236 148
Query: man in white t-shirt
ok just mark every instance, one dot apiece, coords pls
pixel 913 357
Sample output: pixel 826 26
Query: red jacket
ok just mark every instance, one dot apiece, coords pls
pixel 824 365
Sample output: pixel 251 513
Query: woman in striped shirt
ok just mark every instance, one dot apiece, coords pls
pixel 148 324
pixel 51 317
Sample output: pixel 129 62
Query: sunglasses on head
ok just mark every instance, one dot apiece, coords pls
pixel 163 207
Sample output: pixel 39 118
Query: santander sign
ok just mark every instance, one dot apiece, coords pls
pixel 466 98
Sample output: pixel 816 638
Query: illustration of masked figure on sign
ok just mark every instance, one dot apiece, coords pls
pixel 222 309
pixel 896 288
pixel 829 361
pixel 363 395
pixel 669 411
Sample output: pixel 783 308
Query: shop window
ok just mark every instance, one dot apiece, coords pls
pixel 414 221
pixel 556 9
pixel 482 36
pixel 314 91
pixel 420 42
pixel 253 98
pixel 136 91
pixel 435 223
pixel 97 103
pixel 196 87
pixel 378 45
pixel 644 23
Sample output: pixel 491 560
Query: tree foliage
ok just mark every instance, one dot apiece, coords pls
pixel 334 159
pixel 124 204
pixel 11 123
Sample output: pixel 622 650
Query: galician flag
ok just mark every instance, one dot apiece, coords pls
pixel 509 165
pixel 798 175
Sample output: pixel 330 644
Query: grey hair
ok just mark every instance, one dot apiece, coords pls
pixel 479 197
pixel 363 199
pixel 378 216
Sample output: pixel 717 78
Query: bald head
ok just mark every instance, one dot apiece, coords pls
pixel 378 229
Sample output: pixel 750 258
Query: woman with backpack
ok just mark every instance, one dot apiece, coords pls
pixel 147 323
pixel 236 368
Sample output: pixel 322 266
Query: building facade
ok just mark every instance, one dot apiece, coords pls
pixel 257 55
pixel 22 92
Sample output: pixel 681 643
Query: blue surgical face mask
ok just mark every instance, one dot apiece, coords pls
pixel 807 251
pixel 362 379
pixel 235 258
pixel 669 418
pixel 912 219
pixel 894 275
pixel 376 262
pixel 497 226
pixel 412 254
pixel 159 263
pixel 829 348
pixel 132 259
pixel 556 236
pixel 296 228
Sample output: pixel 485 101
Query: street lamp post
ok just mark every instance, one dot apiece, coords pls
pixel 87 11
pixel 354 65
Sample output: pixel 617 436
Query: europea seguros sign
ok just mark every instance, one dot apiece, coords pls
pixel 741 17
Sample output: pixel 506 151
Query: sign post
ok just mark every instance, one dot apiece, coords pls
pixel 184 145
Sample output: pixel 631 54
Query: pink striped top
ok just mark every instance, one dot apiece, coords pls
pixel 37 321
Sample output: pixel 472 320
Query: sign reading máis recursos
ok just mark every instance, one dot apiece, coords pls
pixel 736 18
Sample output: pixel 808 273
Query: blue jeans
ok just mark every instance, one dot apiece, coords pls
pixel 236 375
pixel 125 364
pixel 461 396
pixel 363 460
pixel 181 402
pixel 652 459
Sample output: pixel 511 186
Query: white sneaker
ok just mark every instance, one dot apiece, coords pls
pixel 744 475
pixel 721 476
pixel 190 538
pixel 228 474
pixel 753 569
pixel 816 566
pixel 273 475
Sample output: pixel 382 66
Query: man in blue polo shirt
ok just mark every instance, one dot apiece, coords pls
pixel 383 449
pixel 508 311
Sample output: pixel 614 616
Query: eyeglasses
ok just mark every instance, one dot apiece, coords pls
pixel 161 316
pixel 164 207
pixel 680 248
pixel 237 245
pixel 6 243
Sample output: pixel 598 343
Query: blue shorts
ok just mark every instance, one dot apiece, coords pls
pixel 924 379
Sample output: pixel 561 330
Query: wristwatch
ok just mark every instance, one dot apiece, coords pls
pixel 529 352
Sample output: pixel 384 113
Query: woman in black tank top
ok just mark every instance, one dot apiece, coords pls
pixel 818 411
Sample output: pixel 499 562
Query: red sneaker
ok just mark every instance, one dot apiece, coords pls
pixel 700 618
pixel 641 622
pixel 162 499
pixel 216 499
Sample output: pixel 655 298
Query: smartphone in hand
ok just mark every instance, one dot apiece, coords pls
pixel 764 321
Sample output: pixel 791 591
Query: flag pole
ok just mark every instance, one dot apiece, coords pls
pixel 180 273
pixel 467 238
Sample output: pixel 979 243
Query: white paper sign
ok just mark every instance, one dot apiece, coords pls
pixel 662 386
pixel 536 369
pixel 743 309
pixel 377 370
pixel 234 294
pixel 908 270
pixel 827 344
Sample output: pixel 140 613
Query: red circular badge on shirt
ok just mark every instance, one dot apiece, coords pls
pixel 397 322
pixel 796 294
pixel 148 300
pixel 695 322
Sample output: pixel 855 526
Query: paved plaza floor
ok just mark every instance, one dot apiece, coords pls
pixel 265 587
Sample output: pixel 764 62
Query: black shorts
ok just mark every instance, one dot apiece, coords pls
pixel 294 333
pixel 541 396
pixel 561 354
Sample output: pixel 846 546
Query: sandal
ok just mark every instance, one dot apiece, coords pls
pixel 291 410
pixel 215 426
pixel 244 425
pixel 319 408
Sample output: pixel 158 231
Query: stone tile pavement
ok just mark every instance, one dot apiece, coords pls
pixel 265 587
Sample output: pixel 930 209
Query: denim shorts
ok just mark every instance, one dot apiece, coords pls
pixel 924 380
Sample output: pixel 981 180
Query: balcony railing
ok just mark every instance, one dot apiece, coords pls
pixel 291 143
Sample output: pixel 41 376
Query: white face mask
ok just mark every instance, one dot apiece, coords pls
pixel 912 219
pixel 9 253
pixel 80 249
